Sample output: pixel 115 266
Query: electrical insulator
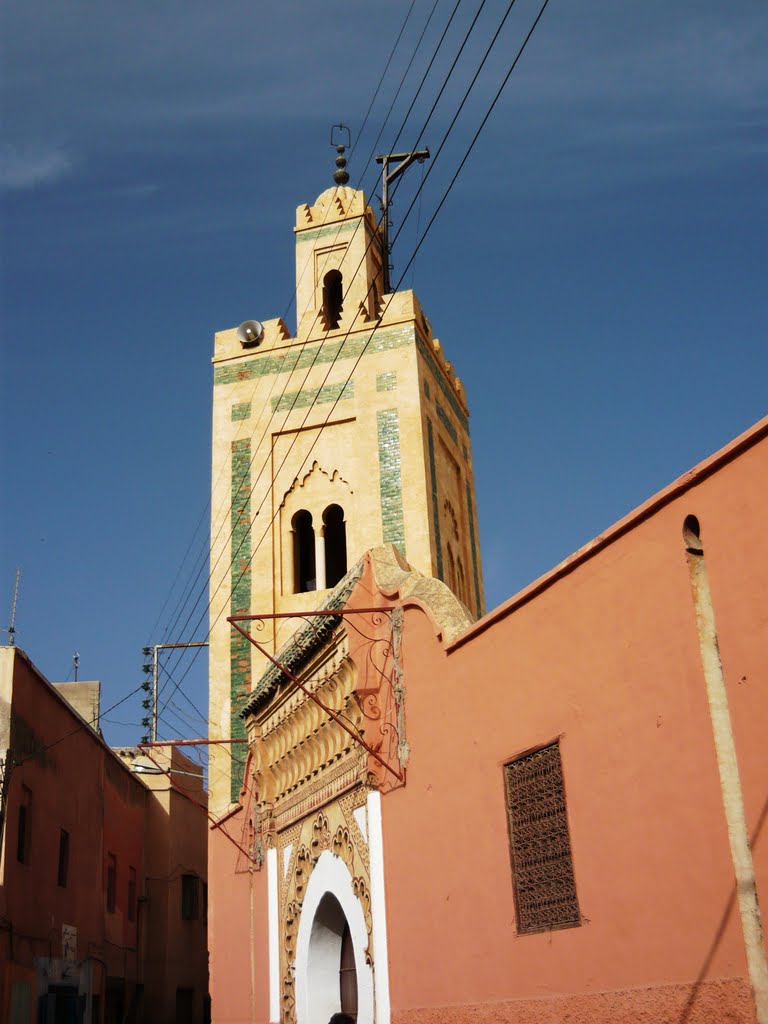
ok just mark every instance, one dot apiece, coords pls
pixel 145 722
pixel 146 651
pixel 146 686
pixel 146 704
pixel 147 668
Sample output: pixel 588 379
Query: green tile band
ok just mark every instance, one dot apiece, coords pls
pixel 390 481
pixel 445 419
pixel 473 545
pixel 240 601
pixel 304 356
pixel 386 381
pixel 341 227
pixel 435 508
pixel 442 383
pixel 241 411
pixel 314 396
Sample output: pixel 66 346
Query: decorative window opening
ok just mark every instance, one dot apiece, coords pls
pixel 542 866
pixel 63 869
pixel 333 295
pixel 335 536
pixel 190 897
pixel 304 571
pixel 111 883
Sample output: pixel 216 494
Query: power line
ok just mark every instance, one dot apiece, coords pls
pixel 319 349
pixel 419 244
pixel 208 503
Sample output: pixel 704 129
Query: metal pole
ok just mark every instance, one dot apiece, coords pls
pixel 233 620
pixel 404 161
pixel 154 694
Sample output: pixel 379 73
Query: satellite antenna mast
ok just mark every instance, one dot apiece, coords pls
pixel 12 627
pixel 402 162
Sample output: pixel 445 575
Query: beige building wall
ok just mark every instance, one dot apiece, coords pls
pixel 361 410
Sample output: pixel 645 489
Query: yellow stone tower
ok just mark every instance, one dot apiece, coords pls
pixel 351 434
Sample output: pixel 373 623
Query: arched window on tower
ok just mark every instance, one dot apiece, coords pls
pixel 451 570
pixel 461 583
pixel 304 572
pixel 335 535
pixel 332 298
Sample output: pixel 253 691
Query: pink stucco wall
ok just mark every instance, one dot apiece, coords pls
pixel 237 929
pixel 604 656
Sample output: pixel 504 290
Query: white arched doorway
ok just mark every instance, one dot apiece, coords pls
pixel 329 910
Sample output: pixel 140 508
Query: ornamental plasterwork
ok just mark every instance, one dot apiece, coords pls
pixel 335 830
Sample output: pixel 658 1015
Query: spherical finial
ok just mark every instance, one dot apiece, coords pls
pixel 341 176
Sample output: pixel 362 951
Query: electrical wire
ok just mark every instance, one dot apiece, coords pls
pixel 290 302
pixel 421 240
pixel 237 485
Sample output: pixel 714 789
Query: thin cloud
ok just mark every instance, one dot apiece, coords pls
pixel 25 168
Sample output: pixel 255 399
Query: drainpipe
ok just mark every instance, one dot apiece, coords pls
pixel 728 768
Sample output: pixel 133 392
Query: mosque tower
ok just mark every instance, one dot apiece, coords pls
pixel 350 434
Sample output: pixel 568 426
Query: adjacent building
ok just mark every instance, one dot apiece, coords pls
pixel 101 876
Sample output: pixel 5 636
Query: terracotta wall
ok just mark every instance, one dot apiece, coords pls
pixel 237 929
pixel 606 658
pixel 72 782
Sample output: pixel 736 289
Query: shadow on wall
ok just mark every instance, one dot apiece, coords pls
pixel 685 1016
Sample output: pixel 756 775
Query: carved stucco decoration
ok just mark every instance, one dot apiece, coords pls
pixel 332 829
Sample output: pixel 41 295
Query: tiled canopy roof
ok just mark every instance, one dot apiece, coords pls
pixel 296 651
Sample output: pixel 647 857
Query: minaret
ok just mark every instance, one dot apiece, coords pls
pixel 352 433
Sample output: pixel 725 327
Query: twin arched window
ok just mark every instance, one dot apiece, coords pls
pixel 319 562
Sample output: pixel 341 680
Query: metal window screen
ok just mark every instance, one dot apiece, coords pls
pixel 545 890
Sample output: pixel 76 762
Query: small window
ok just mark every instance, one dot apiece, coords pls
pixel 111 882
pixel 305 574
pixel 333 294
pixel 542 868
pixel 22 835
pixel 131 894
pixel 335 536
pixel 63 871
pixel 190 897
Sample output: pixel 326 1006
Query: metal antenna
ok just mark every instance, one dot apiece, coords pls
pixel 402 162
pixel 12 627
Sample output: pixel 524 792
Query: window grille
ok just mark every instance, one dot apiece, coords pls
pixel 544 886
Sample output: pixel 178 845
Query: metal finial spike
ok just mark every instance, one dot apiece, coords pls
pixel 341 176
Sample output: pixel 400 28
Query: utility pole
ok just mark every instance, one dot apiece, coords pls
pixel 152 703
pixel 402 162
pixel 12 626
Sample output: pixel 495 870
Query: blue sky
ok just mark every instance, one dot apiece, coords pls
pixel 597 274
